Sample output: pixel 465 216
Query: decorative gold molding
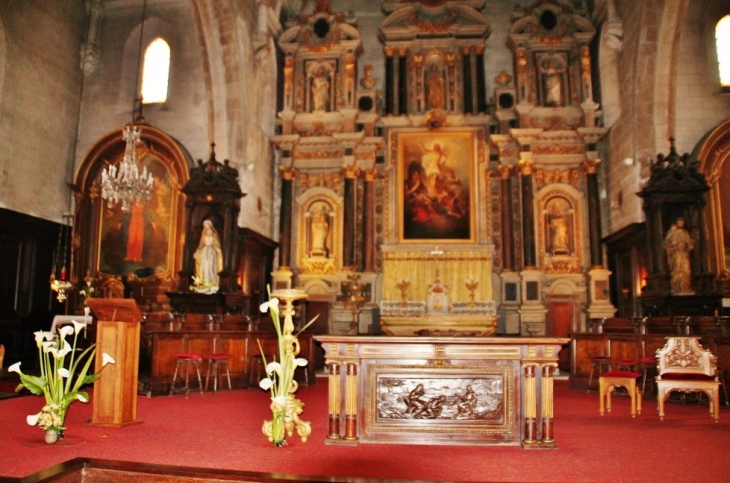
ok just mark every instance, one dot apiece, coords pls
pixel 504 172
pixel 350 172
pixel 590 166
pixel 566 176
pixel 558 149
pixel 288 172
pixel 526 167
pixel 319 154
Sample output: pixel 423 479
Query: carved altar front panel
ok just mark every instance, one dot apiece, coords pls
pixel 441 390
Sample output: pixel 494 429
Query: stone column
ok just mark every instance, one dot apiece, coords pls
pixel 368 226
pixel 526 168
pixel 508 241
pixel 390 85
pixel 288 173
pixel 594 211
pixel 350 174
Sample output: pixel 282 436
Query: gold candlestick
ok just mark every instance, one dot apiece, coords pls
pixel 471 286
pixel 403 284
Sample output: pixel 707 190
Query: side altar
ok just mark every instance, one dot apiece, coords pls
pixel 441 390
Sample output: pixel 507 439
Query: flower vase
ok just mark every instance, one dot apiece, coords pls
pixel 51 436
pixel 278 429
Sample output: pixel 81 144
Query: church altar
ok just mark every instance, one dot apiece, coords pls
pixel 430 291
pixel 441 390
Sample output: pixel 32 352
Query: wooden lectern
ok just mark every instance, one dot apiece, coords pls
pixel 117 333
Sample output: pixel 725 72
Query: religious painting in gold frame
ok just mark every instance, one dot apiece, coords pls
pixel 436 187
pixel 139 241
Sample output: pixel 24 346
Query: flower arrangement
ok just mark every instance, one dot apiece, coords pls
pixel 280 382
pixel 63 374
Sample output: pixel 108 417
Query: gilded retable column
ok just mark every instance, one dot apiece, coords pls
pixel 508 243
pixel 368 226
pixel 526 168
pixel 594 211
pixel 350 174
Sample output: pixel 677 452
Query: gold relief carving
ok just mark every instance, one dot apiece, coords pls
pixel 558 149
pixel 531 352
pixel 288 172
pixel 389 51
pixel 288 74
pixel 331 181
pixel 370 175
pixel 503 78
pixel 317 266
pixel 585 64
pixel 480 147
pixel 478 49
pixel 504 172
pixel 509 152
pixel 465 49
pixel 300 94
pixel 590 166
pixel 451 59
pixel 318 154
pixel 350 349
pixel 566 176
pixel 549 40
pixel 440 351
pixel 365 155
pixel 402 51
pixel 350 172
pixel 526 167
pixel 339 93
pixel 562 266
pixel 318 129
pixel 533 89
pixel 549 353
pixel 522 67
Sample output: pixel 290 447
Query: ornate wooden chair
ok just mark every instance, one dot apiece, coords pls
pixel 684 365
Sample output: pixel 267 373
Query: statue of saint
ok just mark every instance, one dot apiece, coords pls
pixel 678 244
pixel 319 227
pixel 320 90
pixel 558 225
pixel 208 259
pixel 435 84
pixel 552 74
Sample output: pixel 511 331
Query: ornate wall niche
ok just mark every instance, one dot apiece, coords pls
pixel 559 232
pixel 319 241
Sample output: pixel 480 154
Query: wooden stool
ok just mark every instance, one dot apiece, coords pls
pixel 600 361
pixel 187 359
pixel 609 381
pixel 214 360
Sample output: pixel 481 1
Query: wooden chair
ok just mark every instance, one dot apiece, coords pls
pixel 684 365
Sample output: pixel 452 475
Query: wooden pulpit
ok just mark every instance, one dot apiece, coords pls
pixel 117 334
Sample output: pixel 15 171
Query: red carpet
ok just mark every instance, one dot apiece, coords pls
pixel 224 431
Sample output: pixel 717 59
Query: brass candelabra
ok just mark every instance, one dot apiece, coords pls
pixel 403 285
pixel 354 296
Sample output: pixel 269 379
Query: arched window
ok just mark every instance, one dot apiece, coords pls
pixel 155 72
pixel 722 44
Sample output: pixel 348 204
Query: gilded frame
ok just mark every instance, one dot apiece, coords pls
pixel 437 186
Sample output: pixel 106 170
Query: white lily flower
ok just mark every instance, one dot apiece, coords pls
pixel 78 326
pixel 82 398
pixel 32 419
pixel 280 400
pixel 64 351
pixel 63 372
pixel 273 366
pixel 107 359
pixel 300 362
pixel 50 349
pixel 266 383
pixel 65 330
pixel 15 368
pixel 42 335
pixel 272 304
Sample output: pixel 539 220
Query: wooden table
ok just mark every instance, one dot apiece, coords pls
pixel 441 390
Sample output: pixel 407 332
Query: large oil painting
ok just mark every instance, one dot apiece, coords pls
pixel 437 187
pixel 138 241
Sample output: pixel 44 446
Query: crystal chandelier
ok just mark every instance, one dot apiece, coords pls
pixel 125 184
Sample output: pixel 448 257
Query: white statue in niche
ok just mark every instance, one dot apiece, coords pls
pixel 320 90
pixel 552 70
pixel 319 230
